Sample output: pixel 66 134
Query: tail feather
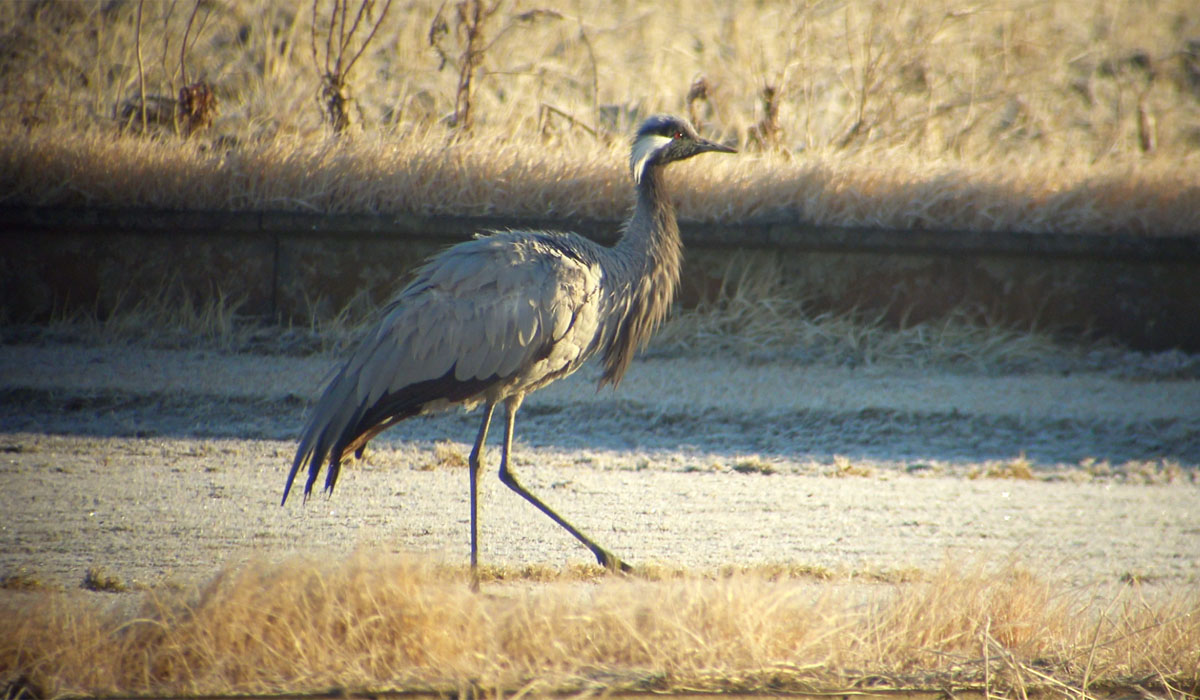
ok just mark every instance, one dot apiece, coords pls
pixel 339 422
pixel 333 415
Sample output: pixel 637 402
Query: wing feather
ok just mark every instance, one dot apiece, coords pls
pixel 527 316
pixel 471 359
pixel 487 310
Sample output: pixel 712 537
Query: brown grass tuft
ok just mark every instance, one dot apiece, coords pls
pixel 753 465
pixel 1016 468
pixel 447 454
pixel 843 467
pixel 22 580
pixel 99 579
pixel 377 622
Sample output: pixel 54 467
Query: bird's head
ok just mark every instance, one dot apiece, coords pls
pixel 663 139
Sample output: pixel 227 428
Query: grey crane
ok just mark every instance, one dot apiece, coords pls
pixel 494 318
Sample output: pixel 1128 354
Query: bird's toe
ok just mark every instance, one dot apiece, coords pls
pixel 612 563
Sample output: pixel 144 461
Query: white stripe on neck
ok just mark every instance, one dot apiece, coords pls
pixel 643 149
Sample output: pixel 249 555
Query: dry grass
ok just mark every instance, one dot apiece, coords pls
pixel 178 316
pixel 446 455
pixel 1057 116
pixel 498 173
pixel 1019 468
pixel 381 622
pixel 844 467
pixel 758 314
pixel 99 579
pixel 178 311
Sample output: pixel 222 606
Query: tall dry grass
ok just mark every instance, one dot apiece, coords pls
pixel 379 622
pixel 498 173
pixel 1005 115
pixel 759 314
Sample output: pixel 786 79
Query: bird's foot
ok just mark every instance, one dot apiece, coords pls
pixel 609 561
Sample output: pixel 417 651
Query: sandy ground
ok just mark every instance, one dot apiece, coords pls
pixel 156 464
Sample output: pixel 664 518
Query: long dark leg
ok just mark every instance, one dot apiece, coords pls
pixel 606 559
pixel 474 463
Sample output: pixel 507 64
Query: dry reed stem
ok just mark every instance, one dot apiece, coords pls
pixel 376 621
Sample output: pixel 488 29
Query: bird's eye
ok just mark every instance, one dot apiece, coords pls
pixel 677 135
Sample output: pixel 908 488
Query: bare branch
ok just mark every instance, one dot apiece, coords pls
pixel 141 73
pixel 587 43
pixel 347 36
pixel 312 35
pixel 370 37
pixel 548 109
pixel 183 44
pixel 334 93
pixel 166 38
pixel 329 35
pixel 437 29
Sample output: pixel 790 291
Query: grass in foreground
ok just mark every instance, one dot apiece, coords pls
pixel 382 622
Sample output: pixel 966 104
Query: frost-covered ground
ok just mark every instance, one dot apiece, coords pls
pixel 159 463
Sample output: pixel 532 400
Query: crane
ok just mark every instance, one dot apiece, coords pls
pixel 490 320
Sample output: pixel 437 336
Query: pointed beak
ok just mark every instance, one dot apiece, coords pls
pixel 706 145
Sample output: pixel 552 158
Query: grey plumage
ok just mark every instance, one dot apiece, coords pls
pixel 492 319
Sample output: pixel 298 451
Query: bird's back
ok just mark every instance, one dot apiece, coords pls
pixel 492 317
pixel 497 317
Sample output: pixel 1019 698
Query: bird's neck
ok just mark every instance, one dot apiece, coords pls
pixel 650 253
pixel 651 238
